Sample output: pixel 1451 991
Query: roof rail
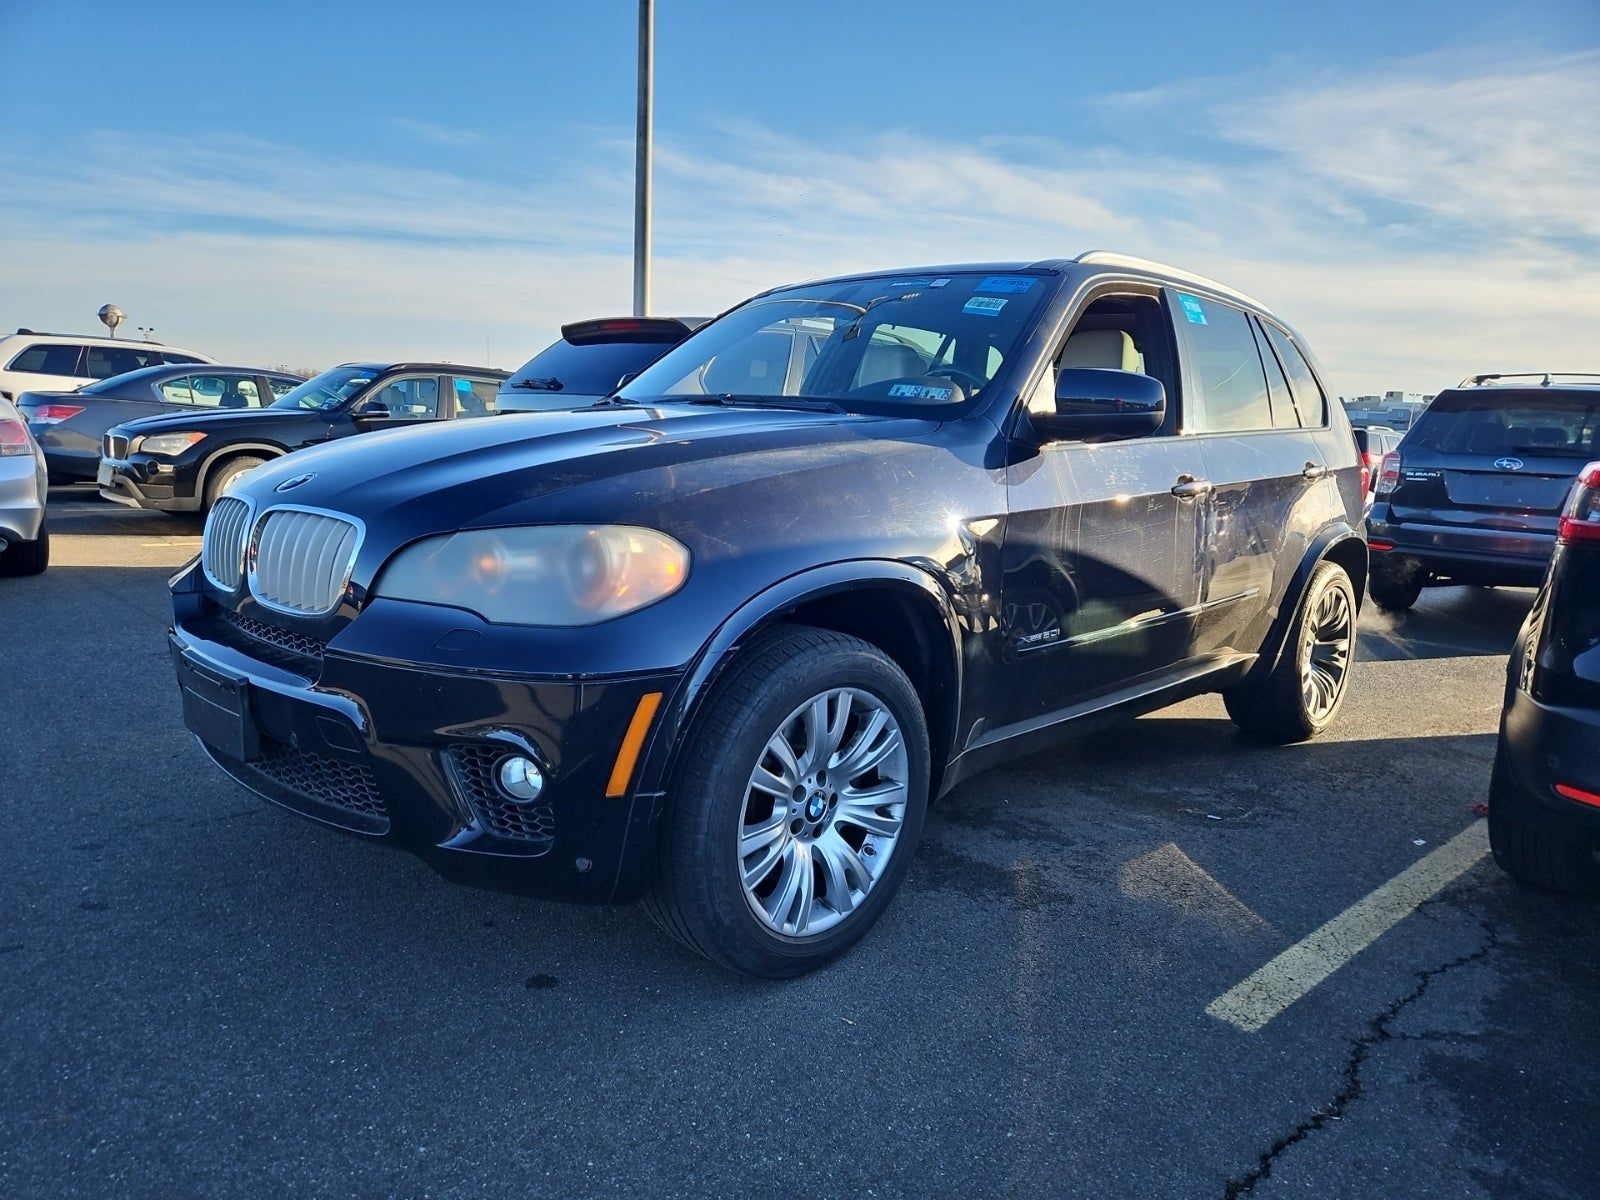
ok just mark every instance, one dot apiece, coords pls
pixel 1110 258
pixel 98 337
pixel 1545 378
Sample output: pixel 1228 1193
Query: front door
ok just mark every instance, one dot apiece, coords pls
pixel 1099 586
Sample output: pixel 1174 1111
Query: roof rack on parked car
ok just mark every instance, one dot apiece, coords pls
pixel 1110 258
pixel 1546 378
pixel 96 336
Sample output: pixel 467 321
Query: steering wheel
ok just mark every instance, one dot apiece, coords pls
pixel 961 376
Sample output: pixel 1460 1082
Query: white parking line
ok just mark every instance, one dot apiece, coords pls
pixel 1253 1002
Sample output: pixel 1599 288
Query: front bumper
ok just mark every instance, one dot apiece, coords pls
pixel 144 483
pixel 1462 553
pixel 1543 745
pixel 406 754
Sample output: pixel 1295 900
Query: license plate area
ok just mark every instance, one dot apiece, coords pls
pixel 103 475
pixel 216 708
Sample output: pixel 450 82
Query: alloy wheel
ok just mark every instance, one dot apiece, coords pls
pixel 822 812
pixel 1326 652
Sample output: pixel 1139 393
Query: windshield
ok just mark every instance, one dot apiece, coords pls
pixel 919 345
pixel 1562 425
pixel 328 390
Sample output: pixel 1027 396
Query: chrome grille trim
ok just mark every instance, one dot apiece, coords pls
pixel 300 559
pixel 114 446
pixel 223 546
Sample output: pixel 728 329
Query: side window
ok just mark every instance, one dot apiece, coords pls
pixel 1229 376
pixel 48 360
pixel 102 362
pixel 1308 397
pixel 413 398
pixel 1118 333
pixel 474 397
pixel 175 359
pixel 282 387
pixel 178 391
pixel 1284 413
pixel 246 389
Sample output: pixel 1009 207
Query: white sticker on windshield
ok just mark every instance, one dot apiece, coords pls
pixel 918 391
pixel 984 306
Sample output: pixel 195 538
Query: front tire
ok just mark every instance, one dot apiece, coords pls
pixel 27 558
pixel 1303 693
pixel 1533 848
pixel 797 806
pixel 222 479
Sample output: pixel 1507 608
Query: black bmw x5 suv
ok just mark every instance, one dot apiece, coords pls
pixel 718 640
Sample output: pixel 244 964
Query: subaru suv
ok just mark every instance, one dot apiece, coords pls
pixel 1473 493
pixel 719 644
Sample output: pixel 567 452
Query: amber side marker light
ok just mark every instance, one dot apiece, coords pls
pixel 632 743
pixel 1578 794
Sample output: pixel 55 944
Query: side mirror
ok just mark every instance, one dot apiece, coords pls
pixel 1096 404
pixel 372 410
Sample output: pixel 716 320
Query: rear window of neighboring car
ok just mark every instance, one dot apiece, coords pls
pixel 55 359
pixel 557 374
pixel 1557 424
pixel 102 362
pixel 169 356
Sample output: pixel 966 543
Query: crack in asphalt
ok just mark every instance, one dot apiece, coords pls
pixel 1360 1050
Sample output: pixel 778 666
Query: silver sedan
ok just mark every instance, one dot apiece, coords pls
pixel 24 539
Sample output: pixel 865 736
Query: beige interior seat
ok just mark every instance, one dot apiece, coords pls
pixel 1107 349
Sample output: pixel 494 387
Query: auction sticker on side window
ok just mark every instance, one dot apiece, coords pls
pixel 1011 284
pixel 1192 309
pixel 984 306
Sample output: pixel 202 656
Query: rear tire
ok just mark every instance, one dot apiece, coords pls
pixel 722 881
pixel 1531 846
pixel 27 558
pixel 1394 590
pixel 1304 691
pixel 222 478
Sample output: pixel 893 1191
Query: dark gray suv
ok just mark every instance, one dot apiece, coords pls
pixel 1474 491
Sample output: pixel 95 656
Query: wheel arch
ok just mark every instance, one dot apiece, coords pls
pixel 899 608
pixel 1338 544
pixel 227 453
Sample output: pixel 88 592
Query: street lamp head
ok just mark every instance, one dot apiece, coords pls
pixel 111 316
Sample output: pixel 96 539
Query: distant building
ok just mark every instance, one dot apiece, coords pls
pixel 1394 409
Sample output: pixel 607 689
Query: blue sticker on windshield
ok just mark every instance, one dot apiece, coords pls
pixel 940 282
pixel 984 306
pixel 1192 309
pixel 918 391
pixel 1010 284
pixel 463 385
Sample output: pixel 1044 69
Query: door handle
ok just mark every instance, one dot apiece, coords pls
pixel 1190 488
pixel 1313 471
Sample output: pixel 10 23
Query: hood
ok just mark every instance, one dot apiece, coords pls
pixel 217 421
pixel 709 476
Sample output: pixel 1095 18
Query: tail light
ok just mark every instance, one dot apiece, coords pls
pixel 1580 520
pixel 49 414
pixel 1389 473
pixel 14 438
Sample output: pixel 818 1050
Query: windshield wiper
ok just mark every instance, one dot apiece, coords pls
pixel 540 385
pixel 734 400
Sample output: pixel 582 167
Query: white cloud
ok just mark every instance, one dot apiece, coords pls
pixel 1427 220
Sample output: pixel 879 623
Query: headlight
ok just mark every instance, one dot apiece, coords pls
pixel 540 574
pixel 167 445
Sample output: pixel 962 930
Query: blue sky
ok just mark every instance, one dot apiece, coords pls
pixel 1412 184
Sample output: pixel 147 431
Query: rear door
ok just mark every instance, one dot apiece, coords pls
pixel 1496 457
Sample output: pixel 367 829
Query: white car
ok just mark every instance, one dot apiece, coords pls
pixel 24 540
pixel 59 362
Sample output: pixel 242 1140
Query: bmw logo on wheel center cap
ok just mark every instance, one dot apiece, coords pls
pixel 816 806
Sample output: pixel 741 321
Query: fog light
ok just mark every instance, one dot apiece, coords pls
pixel 521 779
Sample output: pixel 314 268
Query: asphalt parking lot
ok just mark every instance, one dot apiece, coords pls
pixel 205 996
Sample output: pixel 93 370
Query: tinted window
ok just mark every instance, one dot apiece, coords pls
pixel 101 362
pixel 1484 423
pixel 1308 397
pixel 171 356
pixel 1232 382
pixel 474 397
pixel 282 387
pixel 583 373
pixel 1285 415
pixel 885 343
pixel 48 360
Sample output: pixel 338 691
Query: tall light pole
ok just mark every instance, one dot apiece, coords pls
pixel 642 157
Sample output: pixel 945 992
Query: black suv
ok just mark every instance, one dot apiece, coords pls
pixel 183 462
pixel 1544 798
pixel 1474 490
pixel 721 645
